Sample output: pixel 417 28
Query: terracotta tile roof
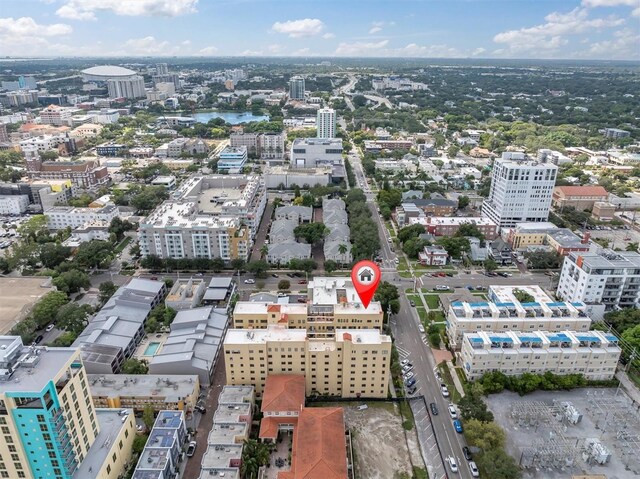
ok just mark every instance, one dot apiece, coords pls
pixel 283 392
pixel 582 190
pixel 319 450
pixel 273 308
pixel 269 425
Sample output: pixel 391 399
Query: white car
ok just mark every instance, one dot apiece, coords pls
pixel 421 328
pixel 452 412
pixel 50 327
pixel 441 287
pixel 452 463
pixel 409 375
pixel 474 469
pixel 445 391
pixel 249 281
pixel 404 362
pixel 191 449
pixel 407 367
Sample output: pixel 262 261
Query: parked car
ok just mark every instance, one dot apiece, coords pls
pixel 474 469
pixel 457 424
pixel 412 303
pixel 434 408
pixel 452 411
pixel 200 409
pixel 191 449
pixel 411 390
pixel 466 452
pixel 407 367
pixel 404 362
pixel 302 281
pixel 421 328
pixel 50 327
pixel 410 382
pixel 274 275
pixel 409 375
pixel 452 463
pixel 38 339
pixel 444 390
pixel 441 287
pixel 249 281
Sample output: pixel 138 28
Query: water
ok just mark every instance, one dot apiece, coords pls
pixel 230 117
pixel 151 349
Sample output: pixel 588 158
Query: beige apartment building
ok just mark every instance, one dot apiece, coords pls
pixel 503 312
pixel 353 363
pixel 593 354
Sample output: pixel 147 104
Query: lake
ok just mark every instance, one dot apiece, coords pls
pixel 229 116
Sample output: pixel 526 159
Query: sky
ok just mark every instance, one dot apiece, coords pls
pixel 529 29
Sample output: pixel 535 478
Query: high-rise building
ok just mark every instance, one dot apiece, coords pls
pixel 326 123
pixel 296 88
pixel 608 278
pixel 521 191
pixel 4 135
pixel 126 87
pixel 162 69
pixel 49 422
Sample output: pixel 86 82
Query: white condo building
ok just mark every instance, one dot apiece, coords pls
pixel 608 278
pixel 126 87
pixel 593 354
pixel 521 191
pixel 326 123
pixel 503 312
pixel 61 217
pixel 296 88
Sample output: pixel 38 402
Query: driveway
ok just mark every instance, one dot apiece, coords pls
pixel 263 229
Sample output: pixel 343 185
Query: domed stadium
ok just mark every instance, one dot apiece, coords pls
pixel 103 73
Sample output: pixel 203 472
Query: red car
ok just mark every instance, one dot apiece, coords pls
pixel 442 275
pixel 302 281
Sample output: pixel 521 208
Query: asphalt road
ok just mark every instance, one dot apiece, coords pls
pixel 410 341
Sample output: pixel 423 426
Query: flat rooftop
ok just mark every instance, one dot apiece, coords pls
pixel 17 297
pixel 236 395
pixel 111 424
pixel 221 455
pixel 227 433
pixel 261 336
pixel 450 221
pixel 212 200
pixel 363 336
pixel 532 227
pixel 171 387
pixel 504 294
pixel 231 413
pixel 607 258
pixel 44 366
pixel 338 291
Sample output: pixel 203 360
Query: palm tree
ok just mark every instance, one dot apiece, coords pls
pixel 632 247
pixel 342 249
pixel 264 250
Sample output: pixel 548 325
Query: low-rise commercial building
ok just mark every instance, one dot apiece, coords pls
pixel 504 312
pixel 134 391
pixel 579 197
pixel 280 177
pixel 61 217
pixel 354 363
pixel 593 354
pixel 603 211
pixel 448 226
pixel 83 174
pixel 232 159
pixel 606 277
pixel 162 454
pixel 315 152
pixel 376 146
pixel 418 207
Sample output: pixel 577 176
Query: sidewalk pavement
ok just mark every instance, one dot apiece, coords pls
pixel 628 385
pixel 456 379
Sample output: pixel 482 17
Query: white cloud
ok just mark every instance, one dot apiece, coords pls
pixel 86 9
pixel 251 53
pixel 274 48
pixel 375 30
pixel 478 51
pixel 360 48
pixel 623 46
pixel 211 50
pixel 150 46
pixel 26 27
pixel 306 27
pixel 328 35
pixel 301 52
pixel 614 3
pixel 547 38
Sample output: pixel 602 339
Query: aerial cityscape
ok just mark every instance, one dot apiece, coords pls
pixel 319 240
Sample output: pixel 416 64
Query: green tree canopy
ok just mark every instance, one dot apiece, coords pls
pixel 134 366
pixel 45 310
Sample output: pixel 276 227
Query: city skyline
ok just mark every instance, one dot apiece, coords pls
pixel 556 29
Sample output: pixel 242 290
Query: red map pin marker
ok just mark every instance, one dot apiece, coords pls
pixel 366 278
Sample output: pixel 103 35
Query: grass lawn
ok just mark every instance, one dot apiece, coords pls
pixel 439 318
pixel 402 265
pixel 446 378
pixel 422 313
pixel 123 244
pixel 415 298
pixel 480 295
pixel 432 301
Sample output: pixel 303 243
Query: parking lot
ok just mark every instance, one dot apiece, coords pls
pixel 551 439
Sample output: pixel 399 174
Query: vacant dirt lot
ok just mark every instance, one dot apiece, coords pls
pixel 17 297
pixel 379 442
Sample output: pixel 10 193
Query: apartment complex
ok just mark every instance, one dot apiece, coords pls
pixel 13 204
pixel 267 146
pixel 83 174
pixel 296 88
pixel 232 159
pixel 231 427
pixel 593 354
pixel 326 123
pixel 521 190
pixel 61 217
pixel 354 363
pixel 376 146
pixel 134 391
pixel 161 456
pixel 448 225
pixel 332 304
pixel 51 427
pixel 213 216
pixel 424 207
pixel 56 116
pixel 504 312
pixel 609 278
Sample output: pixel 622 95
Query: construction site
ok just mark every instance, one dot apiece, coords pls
pixel 584 431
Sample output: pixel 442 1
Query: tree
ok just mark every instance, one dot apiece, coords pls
pixel 72 317
pixel 65 340
pixel 523 296
pixel 414 246
pixel 469 229
pixel 254 455
pixel 264 250
pixel 138 443
pixel 497 464
pixel 237 264
pixel 45 310
pixel 632 247
pixel 463 202
pixel 490 264
pixel 134 366
pixel 388 295
pixel 485 435
pixel 455 246
pixel 312 233
pixel 52 254
pixel 330 266
pixel 472 405
pixel 34 227
pixel 632 337
pixel 409 232
pixel 4 266
pixel 26 329
pixel 284 284
pixel 148 416
pixel 217 264
pixel 624 319
pixel 258 268
pixel 118 227
pixel 93 254
pixel 107 289
pixel 72 281
pixel 544 260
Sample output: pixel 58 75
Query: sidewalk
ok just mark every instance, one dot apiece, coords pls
pixel 456 379
pixel 628 385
